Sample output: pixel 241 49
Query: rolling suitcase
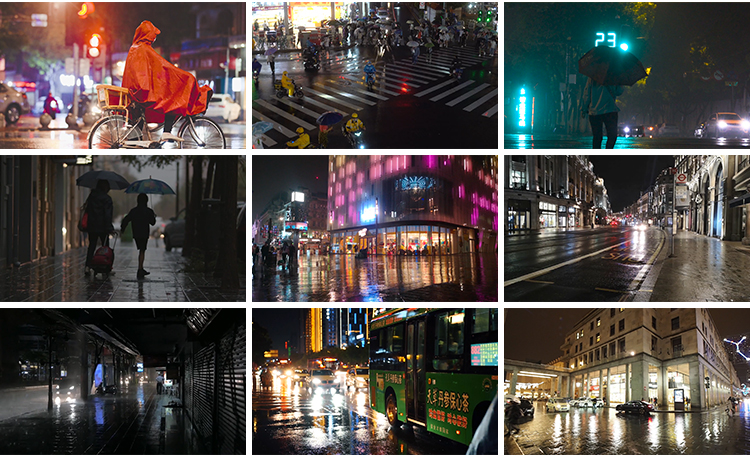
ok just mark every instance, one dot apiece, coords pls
pixel 103 259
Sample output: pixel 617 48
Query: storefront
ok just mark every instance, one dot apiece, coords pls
pixel 268 13
pixel 678 378
pixel 519 214
pixel 409 240
pixel 310 14
pixel 547 215
pixel 618 391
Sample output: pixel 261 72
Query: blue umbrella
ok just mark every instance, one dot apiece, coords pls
pixel 329 118
pixel 261 127
pixel 149 185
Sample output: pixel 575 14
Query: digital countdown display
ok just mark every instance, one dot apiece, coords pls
pixel 484 354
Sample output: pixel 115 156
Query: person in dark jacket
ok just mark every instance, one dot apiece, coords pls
pixel 141 217
pixel 99 208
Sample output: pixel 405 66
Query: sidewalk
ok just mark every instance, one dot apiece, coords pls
pixel 60 278
pixel 134 422
pixel 702 269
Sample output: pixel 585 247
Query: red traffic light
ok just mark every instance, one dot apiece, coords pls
pixel 86 9
pixel 94 43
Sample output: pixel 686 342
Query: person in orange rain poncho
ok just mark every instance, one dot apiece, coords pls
pixel 165 90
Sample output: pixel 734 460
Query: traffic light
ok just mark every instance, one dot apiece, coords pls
pixel 94 43
pixel 480 16
pixel 489 16
pixel 85 9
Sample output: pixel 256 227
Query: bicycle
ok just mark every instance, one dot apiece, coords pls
pixel 118 129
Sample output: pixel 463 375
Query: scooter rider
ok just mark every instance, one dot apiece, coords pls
pixel 456 64
pixel 287 83
pixel 353 125
pixel 369 70
pixel 256 68
pixel 302 141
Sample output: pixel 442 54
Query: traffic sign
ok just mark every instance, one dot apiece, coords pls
pixel 681 178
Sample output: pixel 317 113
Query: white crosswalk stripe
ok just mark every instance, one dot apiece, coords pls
pixel 342 89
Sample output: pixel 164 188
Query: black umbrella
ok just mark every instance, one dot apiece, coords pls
pixel 611 66
pixel 91 178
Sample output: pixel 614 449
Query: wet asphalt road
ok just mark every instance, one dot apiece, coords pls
pixel 288 419
pixel 603 431
pixel 337 277
pixel 547 141
pixel 602 264
pixel 26 134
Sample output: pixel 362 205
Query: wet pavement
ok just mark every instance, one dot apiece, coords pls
pixel 550 140
pixel 27 133
pixel 288 419
pixel 60 278
pixel 603 431
pixel 580 264
pixel 466 277
pixel 136 421
pixel 701 269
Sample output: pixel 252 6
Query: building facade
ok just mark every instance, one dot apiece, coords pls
pixel 548 192
pixel 406 204
pixel 620 355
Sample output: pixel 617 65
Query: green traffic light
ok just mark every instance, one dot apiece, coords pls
pixel 624 46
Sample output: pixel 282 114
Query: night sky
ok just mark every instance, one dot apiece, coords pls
pixel 278 173
pixel 626 176
pixel 280 323
pixel 526 328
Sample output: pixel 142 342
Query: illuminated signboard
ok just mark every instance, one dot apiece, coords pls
pixel 139 366
pixel 484 354
pixel 415 183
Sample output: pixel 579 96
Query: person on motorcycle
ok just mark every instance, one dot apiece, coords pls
pixel 50 106
pixel 302 141
pixel 287 83
pixel 353 125
pixel 456 64
pixel 256 66
pixel 369 73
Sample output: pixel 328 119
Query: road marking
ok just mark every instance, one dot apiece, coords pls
pixel 541 282
pixel 508 283
pixel 641 276
pixel 611 290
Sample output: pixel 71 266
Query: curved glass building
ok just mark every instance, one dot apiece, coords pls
pixel 413 204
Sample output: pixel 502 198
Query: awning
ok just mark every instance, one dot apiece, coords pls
pixel 741 201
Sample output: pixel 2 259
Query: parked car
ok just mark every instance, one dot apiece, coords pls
pixel 13 103
pixel 639 407
pixel 358 378
pixel 597 403
pixel 174 232
pixel 223 105
pixel 649 131
pixel 728 125
pixel 667 130
pixel 527 407
pixel 583 402
pixel 557 405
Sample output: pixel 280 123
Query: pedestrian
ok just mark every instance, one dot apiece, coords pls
pixel 159 383
pixel 99 208
pixel 323 136
pixel 299 39
pixel 514 413
pixel 272 63
pixel 415 54
pixel 141 217
pixel 284 254
pixel 599 102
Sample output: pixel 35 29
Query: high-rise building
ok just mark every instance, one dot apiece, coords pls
pixel 438 204
pixel 311 331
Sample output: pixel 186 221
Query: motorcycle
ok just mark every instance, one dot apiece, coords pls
pixel 369 80
pixel 312 64
pixel 281 91
pixel 256 75
pixel 106 389
pixel 354 138
pixel 456 73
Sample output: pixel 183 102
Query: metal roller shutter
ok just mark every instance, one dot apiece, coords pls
pixel 203 393
pixel 230 391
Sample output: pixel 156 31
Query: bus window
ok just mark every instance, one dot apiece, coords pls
pixel 387 347
pixel 449 341
pixel 485 320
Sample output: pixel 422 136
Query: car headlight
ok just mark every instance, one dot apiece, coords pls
pixel 745 125
pixel 627 129
pixel 722 124
pixel 316 381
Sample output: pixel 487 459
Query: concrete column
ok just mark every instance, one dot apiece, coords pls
pixel 559 385
pixel 628 393
pixel 639 381
pixel 601 390
pixel 696 385
pixel 608 394
pixel 662 385
pixel 513 380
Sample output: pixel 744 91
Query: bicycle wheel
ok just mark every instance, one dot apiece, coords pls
pixel 109 132
pixel 207 134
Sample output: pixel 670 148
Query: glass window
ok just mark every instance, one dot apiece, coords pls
pixel 449 341
pixel 485 320
pixel 675 323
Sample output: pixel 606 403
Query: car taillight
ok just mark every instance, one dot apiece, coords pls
pixel 23 95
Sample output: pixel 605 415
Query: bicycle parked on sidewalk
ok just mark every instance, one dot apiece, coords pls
pixel 124 125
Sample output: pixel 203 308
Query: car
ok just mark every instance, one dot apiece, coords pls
pixel 649 131
pixel 527 407
pixel 358 378
pixel 639 407
pixel 323 381
pixel 725 125
pixel 13 103
pixel 667 130
pixel 301 375
pixel 223 105
pixel 583 402
pixel 629 130
pixel 597 403
pixel 557 405
pixel 174 232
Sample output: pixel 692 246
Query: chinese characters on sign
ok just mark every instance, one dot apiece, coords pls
pixel 394 378
pixel 484 354
pixel 448 400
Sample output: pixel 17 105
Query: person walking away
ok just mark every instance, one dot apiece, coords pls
pixel 272 63
pixel 99 208
pixel 323 136
pixel 599 101
pixel 159 383
pixel 514 414
pixel 141 217
pixel 414 54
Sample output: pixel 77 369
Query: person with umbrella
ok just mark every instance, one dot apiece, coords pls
pixel 99 208
pixel 599 103
pixel 141 217
pixel 271 58
pixel 326 121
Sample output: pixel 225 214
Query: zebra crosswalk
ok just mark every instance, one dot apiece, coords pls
pixel 340 87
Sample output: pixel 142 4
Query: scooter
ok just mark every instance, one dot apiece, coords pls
pixel 106 389
pixel 281 91
pixel 312 64
pixel 456 73
pixel 256 75
pixel 354 138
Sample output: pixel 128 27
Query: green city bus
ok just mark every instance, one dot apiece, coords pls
pixel 436 368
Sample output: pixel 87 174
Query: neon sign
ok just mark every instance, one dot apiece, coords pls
pixel 611 38
pixel 416 183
